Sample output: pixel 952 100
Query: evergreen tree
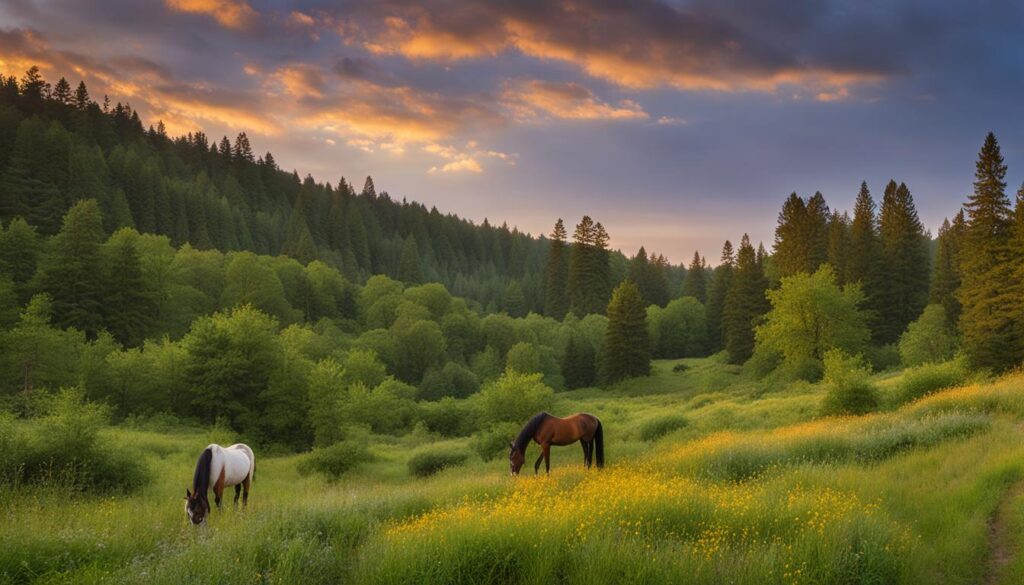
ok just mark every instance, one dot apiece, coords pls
pixel 583 269
pixel 946 272
pixel 989 300
pixel 20 247
pixel 695 282
pixel 556 275
pixel 515 301
pixel 128 304
pixel 369 190
pixel 299 242
pixel 904 290
pixel 409 270
pixel 745 303
pixel 719 290
pixel 815 232
pixel 838 244
pixel 627 351
pixel 791 250
pixel 82 100
pixel 73 272
pixel 649 276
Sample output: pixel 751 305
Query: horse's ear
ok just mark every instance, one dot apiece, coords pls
pixel 188 494
pixel 511 445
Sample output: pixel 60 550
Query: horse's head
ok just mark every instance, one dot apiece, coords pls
pixel 196 506
pixel 516 458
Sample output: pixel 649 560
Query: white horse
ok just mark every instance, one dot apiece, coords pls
pixel 226 466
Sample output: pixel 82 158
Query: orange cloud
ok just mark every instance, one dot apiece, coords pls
pixel 233 14
pixel 570 101
pixel 463 165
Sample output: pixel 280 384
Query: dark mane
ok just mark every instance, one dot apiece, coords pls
pixel 201 479
pixel 523 439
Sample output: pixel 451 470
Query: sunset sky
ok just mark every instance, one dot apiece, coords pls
pixel 677 124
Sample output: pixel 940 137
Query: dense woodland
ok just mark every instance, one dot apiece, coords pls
pixel 175 276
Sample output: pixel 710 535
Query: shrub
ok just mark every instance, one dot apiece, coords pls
pixel 493 442
pixel 883 358
pixel 451 380
pixel 661 426
pixel 929 339
pixel 65 447
pixel 680 368
pixel 430 461
pixel 447 417
pixel 929 378
pixel 336 460
pixel 514 397
pixel 849 388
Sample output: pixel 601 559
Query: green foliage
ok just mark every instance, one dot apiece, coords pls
pixel 523 358
pixel 493 442
pixel 364 367
pixel 589 284
pixel 64 447
pixel 448 417
pixel 627 351
pixel 928 339
pixel 931 377
pixel 695 283
pixel 453 380
pixel 427 462
pixel 678 330
pixel 514 397
pixel 657 428
pixel 847 379
pixel 811 315
pixel 336 460
pixel 745 303
pixel 904 287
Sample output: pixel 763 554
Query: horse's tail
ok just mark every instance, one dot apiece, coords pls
pixel 599 444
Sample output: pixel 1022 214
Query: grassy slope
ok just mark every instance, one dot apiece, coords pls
pixel 905 495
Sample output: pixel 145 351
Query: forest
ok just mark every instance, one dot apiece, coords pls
pixel 178 277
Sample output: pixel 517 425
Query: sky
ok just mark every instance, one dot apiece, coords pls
pixel 677 124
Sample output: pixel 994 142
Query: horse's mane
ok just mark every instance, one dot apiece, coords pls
pixel 201 479
pixel 523 439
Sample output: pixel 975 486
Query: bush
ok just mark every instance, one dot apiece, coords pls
pixel 923 380
pixel 680 368
pixel 661 426
pixel 929 339
pixel 493 442
pixel 451 380
pixel 447 417
pixel 430 461
pixel 336 460
pixel 883 358
pixel 849 388
pixel 514 397
pixel 65 447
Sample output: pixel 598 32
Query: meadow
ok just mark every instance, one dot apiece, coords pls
pixel 712 478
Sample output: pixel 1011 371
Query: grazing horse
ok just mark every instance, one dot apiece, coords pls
pixel 226 466
pixel 549 430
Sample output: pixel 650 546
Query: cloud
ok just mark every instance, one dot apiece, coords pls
pixel 233 14
pixel 462 165
pixel 670 121
pixel 637 44
pixel 569 101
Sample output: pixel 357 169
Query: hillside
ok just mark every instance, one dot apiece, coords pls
pixel 58 147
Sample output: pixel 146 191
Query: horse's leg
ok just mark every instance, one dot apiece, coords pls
pixel 586 455
pixel 245 490
pixel 238 493
pixel 590 454
pixel 536 466
pixel 218 489
pixel 547 459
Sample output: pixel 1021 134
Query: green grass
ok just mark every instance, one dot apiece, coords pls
pixel 755 487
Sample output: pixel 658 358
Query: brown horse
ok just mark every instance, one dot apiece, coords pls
pixel 549 430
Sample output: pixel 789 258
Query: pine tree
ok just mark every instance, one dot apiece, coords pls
pixel 904 285
pixel 816 232
pixel 242 152
pixel 695 282
pixel 515 301
pixel 62 92
pixel 128 304
pixel 838 244
pixel 582 270
pixel 990 303
pixel 20 247
pixel 627 351
pixel 745 303
pixel 719 290
pixel 369 190
pixel 556 275
pixel 791 250
pixel 602 270
pixel 409 270
pixel 73 272
pixel 299 243
pixel 946 272
pixel 82 100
